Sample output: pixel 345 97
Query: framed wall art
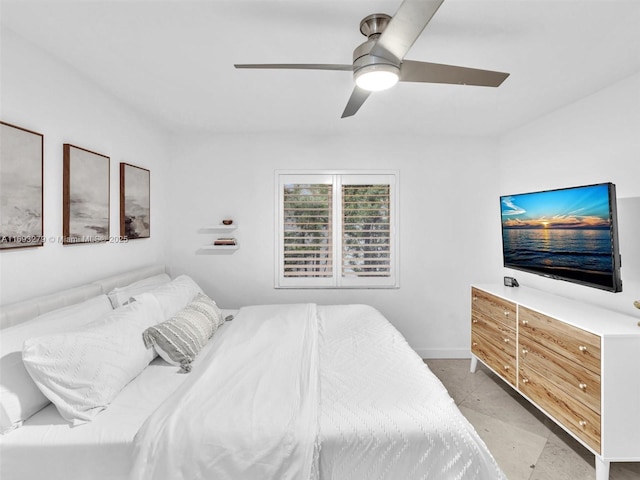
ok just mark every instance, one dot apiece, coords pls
pixel 135 204
pixel 21 194
pixel 85 214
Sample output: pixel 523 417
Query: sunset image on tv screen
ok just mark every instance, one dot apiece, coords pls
pixel 564 233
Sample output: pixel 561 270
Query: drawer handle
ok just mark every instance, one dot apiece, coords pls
pixel 525 322
pixel 506 340
pixel 582 386
pixel 524 351
pixel 506 314
pixel 582 423
pixel 507 367
pixel 582 348
pixel 474 344
pixel 475 298
pixel 475 320
pixel 525 380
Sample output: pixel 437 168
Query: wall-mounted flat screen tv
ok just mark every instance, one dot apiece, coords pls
pixel 567 234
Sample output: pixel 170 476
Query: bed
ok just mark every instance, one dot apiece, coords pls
pixel 299 391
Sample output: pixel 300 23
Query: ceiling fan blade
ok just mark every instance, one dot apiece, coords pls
pixel 358 96
pixel 296 66
pixel 411 71
pixel 404 28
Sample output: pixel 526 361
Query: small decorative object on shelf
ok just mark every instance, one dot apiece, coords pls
pixel 225 241
pixel 227 221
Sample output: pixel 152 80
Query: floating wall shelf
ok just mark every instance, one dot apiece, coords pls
pixel 218 228
pixel 220 247
pixel 210 248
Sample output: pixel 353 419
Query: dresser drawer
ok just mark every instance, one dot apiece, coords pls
pixel 576 417
pixel 494 356
pixel 489 308
pixel 502 336
pixel 572 378
pixel 573 343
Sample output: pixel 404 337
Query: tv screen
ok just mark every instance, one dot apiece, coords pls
pixel 567 234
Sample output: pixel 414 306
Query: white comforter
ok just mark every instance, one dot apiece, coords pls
pixel 251 414
pixel 385 415
pixel 279 401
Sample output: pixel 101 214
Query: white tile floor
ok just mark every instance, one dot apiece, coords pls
pixel 526 445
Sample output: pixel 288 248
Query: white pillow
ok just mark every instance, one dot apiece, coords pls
pixel 120 296
pixel 175 295
pixel 19 396
pixel 81 372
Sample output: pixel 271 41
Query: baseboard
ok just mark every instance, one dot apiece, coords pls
pixel 443 352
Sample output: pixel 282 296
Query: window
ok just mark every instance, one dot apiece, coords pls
pixel 336 230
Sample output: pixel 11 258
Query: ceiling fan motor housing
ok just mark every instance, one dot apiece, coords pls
pixel 371 27
pixel 362 58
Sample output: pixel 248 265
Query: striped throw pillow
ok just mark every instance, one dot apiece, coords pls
pixel 179 339
pixel 208 307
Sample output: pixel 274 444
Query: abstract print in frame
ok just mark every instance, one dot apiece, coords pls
pixel 85 214
pixel 135 204
pixel 21 194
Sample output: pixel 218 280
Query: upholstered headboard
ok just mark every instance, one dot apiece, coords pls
pixel 19 312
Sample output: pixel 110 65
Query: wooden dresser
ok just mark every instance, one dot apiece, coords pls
pixel 579 364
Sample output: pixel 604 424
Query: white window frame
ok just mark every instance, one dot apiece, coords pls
pixel 337 178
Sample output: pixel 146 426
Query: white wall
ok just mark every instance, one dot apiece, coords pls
pixel 591 141
pixel 449 188
pixel 43 94
pixel 447 194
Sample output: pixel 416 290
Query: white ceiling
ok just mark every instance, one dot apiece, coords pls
pixel 173 60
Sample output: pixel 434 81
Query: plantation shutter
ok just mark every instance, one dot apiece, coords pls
pixel 336 230
pixel 307 228
pixel 366 231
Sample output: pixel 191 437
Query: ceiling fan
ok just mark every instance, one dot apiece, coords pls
pixel 379 62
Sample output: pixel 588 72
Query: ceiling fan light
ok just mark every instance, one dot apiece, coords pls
pixel 377 77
